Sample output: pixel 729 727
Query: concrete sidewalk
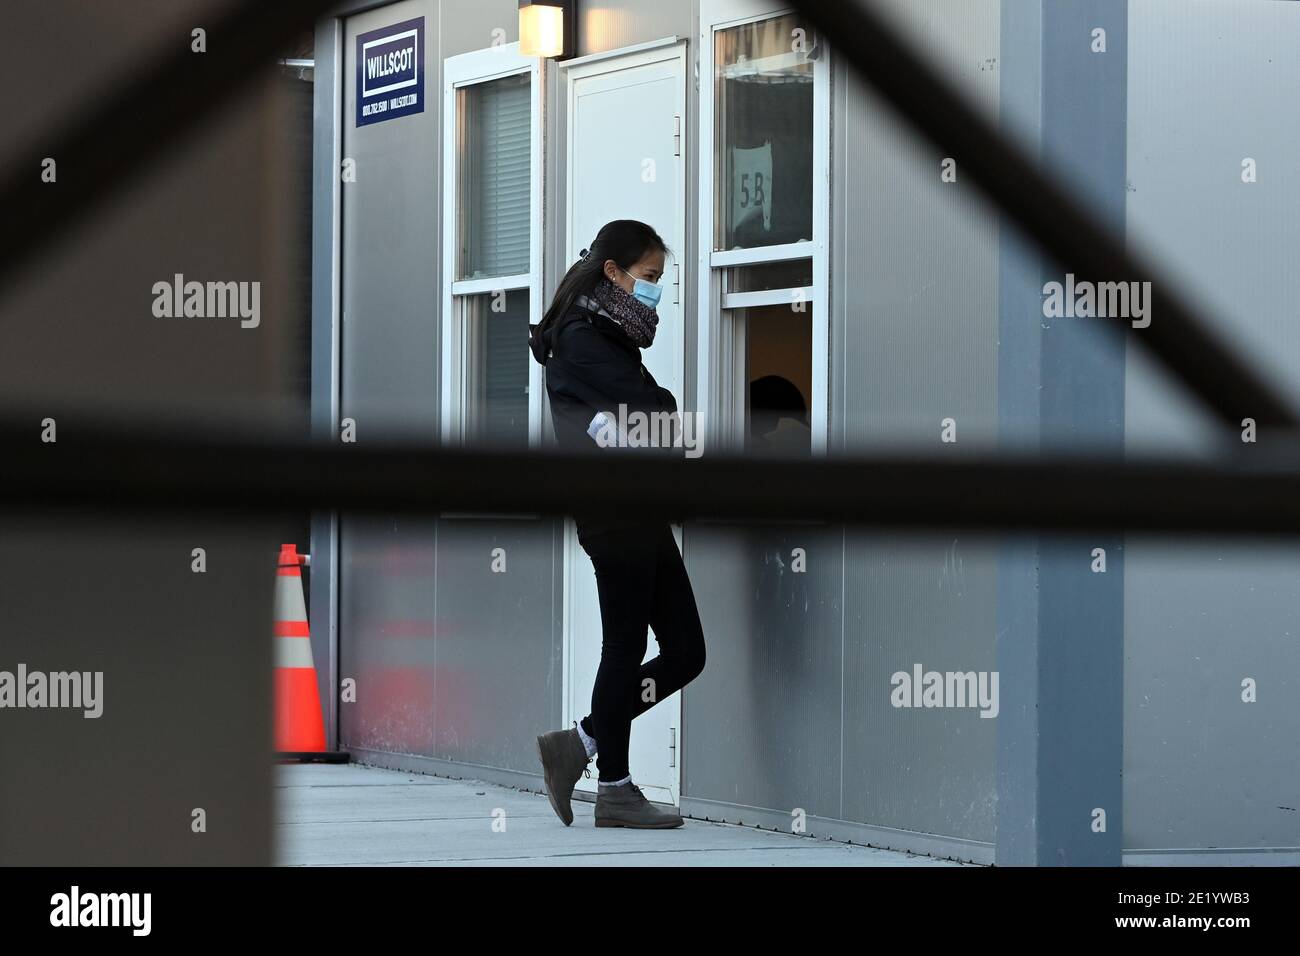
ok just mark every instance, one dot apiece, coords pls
pixel 353 815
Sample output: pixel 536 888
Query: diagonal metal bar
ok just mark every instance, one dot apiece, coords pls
pixel 120 137
pixel 161 472
pixel 1178 336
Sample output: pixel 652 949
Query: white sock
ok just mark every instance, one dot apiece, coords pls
pixel 588 742
pixel 616 783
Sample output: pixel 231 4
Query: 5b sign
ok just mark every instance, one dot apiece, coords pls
pixel 751 191
pixel 390 72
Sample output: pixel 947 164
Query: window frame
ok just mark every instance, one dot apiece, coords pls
pixel 721 340
pixel 459 72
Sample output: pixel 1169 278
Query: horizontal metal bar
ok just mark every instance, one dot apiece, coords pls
pixel 121 468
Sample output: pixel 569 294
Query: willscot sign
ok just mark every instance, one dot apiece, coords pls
pixel 390 72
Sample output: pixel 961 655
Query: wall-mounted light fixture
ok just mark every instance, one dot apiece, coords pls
pixel 548 28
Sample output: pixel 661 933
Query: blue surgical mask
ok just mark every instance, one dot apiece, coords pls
pixel 644 291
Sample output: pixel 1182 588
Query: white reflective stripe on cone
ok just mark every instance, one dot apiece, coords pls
pixel 289 604
pixel 293 652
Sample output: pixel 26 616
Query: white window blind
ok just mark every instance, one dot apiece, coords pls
pixel 496 135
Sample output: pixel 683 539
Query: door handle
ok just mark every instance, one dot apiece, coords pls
pixel 677 284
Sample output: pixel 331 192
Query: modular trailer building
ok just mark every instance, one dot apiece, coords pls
pixel 1145 707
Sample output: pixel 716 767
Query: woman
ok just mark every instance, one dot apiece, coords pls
pixel 589 341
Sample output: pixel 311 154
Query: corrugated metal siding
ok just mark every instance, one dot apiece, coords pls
pixel 1210 84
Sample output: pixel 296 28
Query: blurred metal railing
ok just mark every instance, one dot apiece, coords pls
pixel 162 470
pixel 118 464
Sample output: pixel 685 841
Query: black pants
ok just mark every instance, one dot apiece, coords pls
pixel 642 582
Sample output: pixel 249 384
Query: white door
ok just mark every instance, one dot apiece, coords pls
pixel 625 149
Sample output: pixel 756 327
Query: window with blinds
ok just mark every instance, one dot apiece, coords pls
pixel 497 393
pixel 495 134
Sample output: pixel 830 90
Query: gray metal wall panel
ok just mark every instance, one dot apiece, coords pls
pixel 915 291
pixel 452 660
pixel 389 294
pixel 1211 84
pixel 468 25
pixel 915 296
pixel 931 602
pixel 610 24
pixel 390 252
pixel 761 725
pixel 1019 377
pixel 498 678
pixel 388 622
pixel 1202 767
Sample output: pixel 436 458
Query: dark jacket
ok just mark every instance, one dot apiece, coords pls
pixel 591 366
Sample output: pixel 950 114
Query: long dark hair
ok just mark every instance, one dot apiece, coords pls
pixel 625 241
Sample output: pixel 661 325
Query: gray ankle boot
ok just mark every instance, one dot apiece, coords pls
pixel 626 806
pixel 564 761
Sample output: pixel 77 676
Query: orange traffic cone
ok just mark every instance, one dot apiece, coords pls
pixel 299 725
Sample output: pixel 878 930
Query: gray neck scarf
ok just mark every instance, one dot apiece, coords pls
pixel 635 318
